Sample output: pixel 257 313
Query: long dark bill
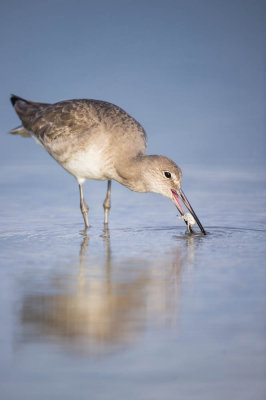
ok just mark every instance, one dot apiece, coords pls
pixel 189 207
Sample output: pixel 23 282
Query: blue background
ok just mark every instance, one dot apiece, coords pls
pixel 192 72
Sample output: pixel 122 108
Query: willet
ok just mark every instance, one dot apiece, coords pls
pixel 93 139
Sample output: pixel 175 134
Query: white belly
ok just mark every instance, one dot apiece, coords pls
pixel 92 163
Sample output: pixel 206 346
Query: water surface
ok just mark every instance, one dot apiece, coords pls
pixel 141 310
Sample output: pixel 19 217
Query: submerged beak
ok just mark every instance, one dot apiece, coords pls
pixel 178 205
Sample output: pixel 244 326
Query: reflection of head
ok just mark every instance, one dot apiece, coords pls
pixel 105 305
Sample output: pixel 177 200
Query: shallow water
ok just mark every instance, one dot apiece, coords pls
pixel 141 310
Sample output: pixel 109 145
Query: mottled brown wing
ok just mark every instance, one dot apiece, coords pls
pixel 49 121
pixel 76 118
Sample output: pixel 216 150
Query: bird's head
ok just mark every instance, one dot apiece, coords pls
pixel 164 177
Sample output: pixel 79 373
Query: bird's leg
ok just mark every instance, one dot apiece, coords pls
pixel 107 202
pixel 83 207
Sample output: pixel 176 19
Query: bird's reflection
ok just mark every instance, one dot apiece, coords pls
pixel 104 305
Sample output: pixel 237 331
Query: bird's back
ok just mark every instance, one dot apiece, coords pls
pixel 72 117
pixel 69 127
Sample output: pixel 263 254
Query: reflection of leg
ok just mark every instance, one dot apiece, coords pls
pixel 82 263
pixel 107 203
pixel 83 247
pixel 107 246
pixel 83 206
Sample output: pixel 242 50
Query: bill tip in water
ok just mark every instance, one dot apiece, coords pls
pixel 190 221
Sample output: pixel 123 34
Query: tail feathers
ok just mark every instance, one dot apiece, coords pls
pixel 14 99
pixel 20 130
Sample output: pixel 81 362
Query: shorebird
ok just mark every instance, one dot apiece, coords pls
pixel 93 139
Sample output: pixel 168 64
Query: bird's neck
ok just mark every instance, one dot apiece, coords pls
pixel 135 173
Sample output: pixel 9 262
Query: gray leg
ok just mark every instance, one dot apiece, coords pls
pixel 83 207
pixel 107 203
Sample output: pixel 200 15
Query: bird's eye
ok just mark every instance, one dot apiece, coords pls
pixel 167 174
